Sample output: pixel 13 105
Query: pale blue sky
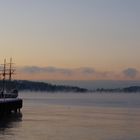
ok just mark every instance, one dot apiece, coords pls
pixel 102 34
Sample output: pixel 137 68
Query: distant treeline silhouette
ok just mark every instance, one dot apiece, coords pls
pixel 24 85
pixel 131 89
pixel 41 86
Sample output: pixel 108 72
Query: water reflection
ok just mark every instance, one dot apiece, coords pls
pixel 10 121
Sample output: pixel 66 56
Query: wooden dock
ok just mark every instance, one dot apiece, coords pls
pixel 9 105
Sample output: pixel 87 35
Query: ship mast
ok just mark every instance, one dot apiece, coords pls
pixel 10 70
pixel 6 71
pixel 4 77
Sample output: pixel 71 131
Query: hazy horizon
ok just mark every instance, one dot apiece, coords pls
pixel 95 84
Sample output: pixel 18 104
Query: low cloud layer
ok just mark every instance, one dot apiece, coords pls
pixel 131 72
pixel 36 70
pixel 83 73
pixel 65 71
pixel 87 70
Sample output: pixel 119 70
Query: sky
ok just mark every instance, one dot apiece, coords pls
pixel 71 39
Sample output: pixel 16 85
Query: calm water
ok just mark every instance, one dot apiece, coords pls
pixel 74 117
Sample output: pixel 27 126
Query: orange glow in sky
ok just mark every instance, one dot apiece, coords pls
pixel 100 35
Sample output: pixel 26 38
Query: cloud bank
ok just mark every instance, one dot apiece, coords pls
pixel 37 70
pixel 131 72
pixel 83 73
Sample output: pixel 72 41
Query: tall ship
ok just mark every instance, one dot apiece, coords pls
pixel 8 88
pixel 9 100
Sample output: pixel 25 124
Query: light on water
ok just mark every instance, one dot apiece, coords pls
pixel 66 116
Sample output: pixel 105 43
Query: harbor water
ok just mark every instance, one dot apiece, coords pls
pixel 70 116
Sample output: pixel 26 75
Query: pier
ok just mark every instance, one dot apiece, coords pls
pixel 9 105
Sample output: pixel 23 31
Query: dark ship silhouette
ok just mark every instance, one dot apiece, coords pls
pixel 9 101
pixel 8 90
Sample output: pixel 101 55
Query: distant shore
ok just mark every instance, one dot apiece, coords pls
pixel 24 85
